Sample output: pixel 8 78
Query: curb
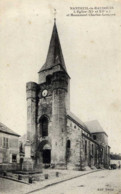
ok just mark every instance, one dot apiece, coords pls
pixel 14 180
pixel 44 187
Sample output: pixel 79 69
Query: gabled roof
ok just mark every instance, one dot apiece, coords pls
pixel 5 129
pixel 77 120
pixel 55 55
pixel 94 127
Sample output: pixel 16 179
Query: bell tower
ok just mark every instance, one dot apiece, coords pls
pixel 47 105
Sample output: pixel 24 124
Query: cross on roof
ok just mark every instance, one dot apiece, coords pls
pixel 54 15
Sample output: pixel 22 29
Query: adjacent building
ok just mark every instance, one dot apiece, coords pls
pixel 9 147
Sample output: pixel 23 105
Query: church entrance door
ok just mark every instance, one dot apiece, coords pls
pixel 47 156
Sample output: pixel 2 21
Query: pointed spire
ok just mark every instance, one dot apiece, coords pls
pixel 54 56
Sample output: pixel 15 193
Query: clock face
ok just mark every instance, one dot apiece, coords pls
pixel 44 93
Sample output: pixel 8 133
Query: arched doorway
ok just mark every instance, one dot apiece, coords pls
pixel 44 149
pixel 46 154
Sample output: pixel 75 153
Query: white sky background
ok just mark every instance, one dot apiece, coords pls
pixel 92 51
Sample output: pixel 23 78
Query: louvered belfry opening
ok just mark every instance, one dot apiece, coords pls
pixel 44 126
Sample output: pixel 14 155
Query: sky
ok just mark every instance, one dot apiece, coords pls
pixel 92 51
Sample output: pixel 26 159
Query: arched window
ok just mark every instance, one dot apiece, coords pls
pixel 68 144
pixel 94 137
pixel 44 126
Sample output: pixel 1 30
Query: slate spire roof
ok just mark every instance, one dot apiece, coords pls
pixel 55 55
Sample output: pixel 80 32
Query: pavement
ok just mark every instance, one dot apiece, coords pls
pixel 100 182
pixel 68 182
pixel 65 175
pixel 40 182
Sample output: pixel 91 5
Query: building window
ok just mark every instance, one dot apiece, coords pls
pixel 68 144
pixel 75 126
pixel 14 158
pixel 68 150
pixel 92 149
pixel 85 147
pixel 5 142
pixel 70 124
pixel 94 137
pixel 44 126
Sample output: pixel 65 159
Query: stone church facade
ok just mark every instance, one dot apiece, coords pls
pixel 57 137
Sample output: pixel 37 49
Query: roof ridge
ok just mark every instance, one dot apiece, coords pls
pixel 5 129
pixel 94 126
pixel 79 121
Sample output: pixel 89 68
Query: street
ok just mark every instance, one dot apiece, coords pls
pixel 105 181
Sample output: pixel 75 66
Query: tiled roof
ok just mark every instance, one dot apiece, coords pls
pixel 94 127
pixel 5 129
pixel 77 120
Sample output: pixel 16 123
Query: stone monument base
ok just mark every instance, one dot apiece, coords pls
pixel 28 165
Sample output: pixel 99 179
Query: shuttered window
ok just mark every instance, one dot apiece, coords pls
pixel 5 142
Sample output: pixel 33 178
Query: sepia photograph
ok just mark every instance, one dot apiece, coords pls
pixel 60 97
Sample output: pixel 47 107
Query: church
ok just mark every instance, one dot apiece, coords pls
pixel 57 138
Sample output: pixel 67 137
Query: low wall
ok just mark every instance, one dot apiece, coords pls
pixel 9 167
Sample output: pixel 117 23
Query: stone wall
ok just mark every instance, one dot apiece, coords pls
pixel 84 151
pixel 53 106
pixel 76 151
